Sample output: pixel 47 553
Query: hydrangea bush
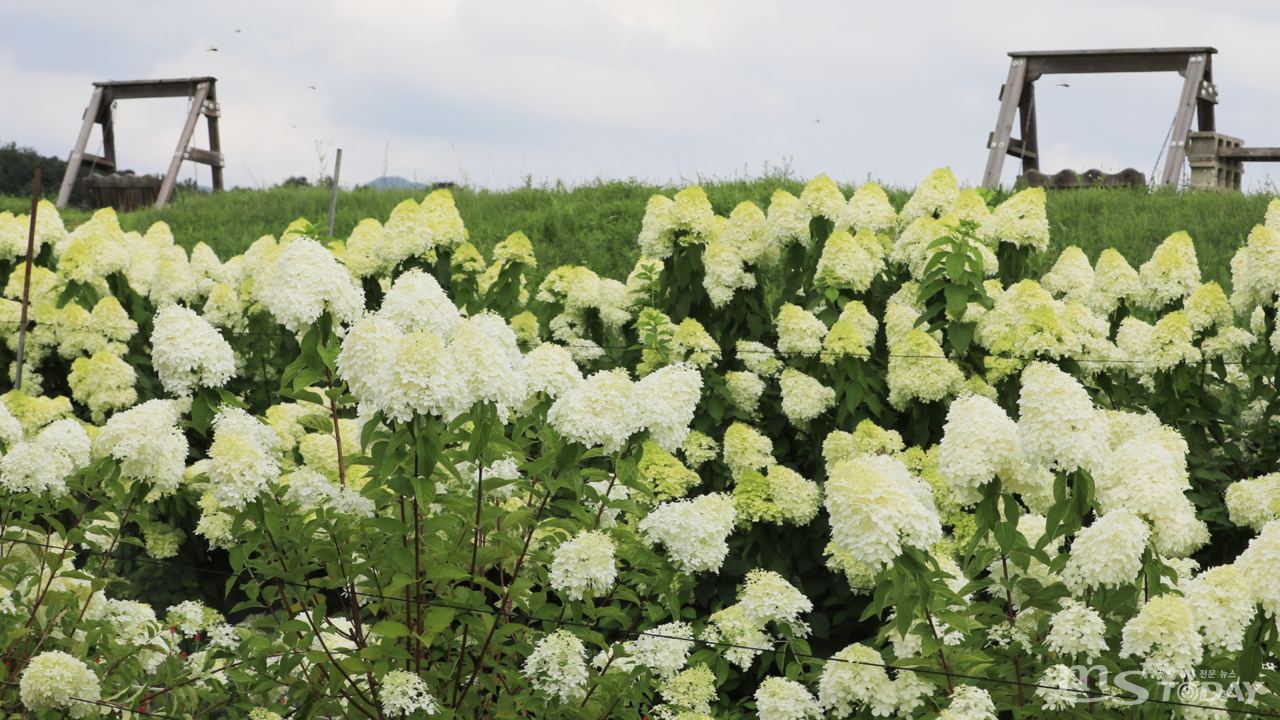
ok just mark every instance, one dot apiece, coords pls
pixel 818 459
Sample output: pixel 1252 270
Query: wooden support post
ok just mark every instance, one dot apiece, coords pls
pixel 333 196
pixel 184 141
pixel 73 163
pixel 1027 114
pixel 215 142
pixel 1182 121
pixel 1004 123
pixel 108 120
pixel 1207 98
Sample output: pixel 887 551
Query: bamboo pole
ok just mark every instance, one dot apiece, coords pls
pixel 26 283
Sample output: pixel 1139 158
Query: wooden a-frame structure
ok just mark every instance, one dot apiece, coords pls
pixel 1017 97
pixel 204 101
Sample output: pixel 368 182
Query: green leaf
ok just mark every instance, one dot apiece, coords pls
pixel 961 335
pixel 317 422
pixel 390 628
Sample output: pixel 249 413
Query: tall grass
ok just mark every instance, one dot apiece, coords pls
pixel 596 224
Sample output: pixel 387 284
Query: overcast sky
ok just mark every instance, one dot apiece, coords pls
pixel 492 91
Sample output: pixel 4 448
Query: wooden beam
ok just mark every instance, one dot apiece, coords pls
pixel 1019 150
pixel 205 157
pixel 1119 51
pixel 73 163
pixel 1182 121
pixel 1004 123
pixel 98 163
pixel 184 142
pixel 135 89
pixel 1252 154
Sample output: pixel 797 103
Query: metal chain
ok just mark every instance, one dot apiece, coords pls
pixel 1163 145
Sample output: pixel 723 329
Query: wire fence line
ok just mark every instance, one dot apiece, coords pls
pixel 766 351
pixel 530 620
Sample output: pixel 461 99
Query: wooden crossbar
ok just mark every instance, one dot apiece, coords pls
pixel 204 97
pixel 1199 95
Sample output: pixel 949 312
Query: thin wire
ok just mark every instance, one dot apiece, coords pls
pixel 646 633
pixel 784 353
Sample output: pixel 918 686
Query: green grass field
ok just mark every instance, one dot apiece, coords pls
pixel 596 224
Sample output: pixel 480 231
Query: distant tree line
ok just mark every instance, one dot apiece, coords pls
pixel 17 169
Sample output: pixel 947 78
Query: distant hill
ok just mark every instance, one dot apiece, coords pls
pixel 395 182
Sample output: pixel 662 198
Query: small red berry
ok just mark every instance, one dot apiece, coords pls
pixel 184 654
pixel 197 637
pixel 173 629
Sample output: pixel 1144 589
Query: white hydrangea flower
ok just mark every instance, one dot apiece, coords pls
pixel 602 410
pixel 486 354
pixel 850 262
pixel 797 498
pixel 10 428
pixel 56 680
pixel 745 388
pixel 1260 565
pixel 876 506
pixel 189 617
pixel 969 703
pixel 242 458
pixel 664 650
pixel 1165 633
pixel 1020 220
pixel 558 666
pixel 852 679
pixel 43 464
pixel 730 626
pixel 147 443
pixel 759 358
pixel 1150 479
pixel 1171 273
pixel 1250 502
pixel 931 197
pixel 1058 423
pixel 188 352
pixel 309 281
pixel 694 689
pixel 781 699
pixel 746 449
pixel 550 369
pixel 1072 275
pixel 1108 553
pixel 799 331
pixel 698 449
pixel 693 531
pixel 1113 280
pixel 1069 690
pixel 404 693
pixel 583 564
pixel 869 209
pixel 919 370
pixel 768 597
pixel 804 398
pixel 417 302
pixel 665 401
pixel 724 273
pixel 787 221
pixel 1077 628
pixel 1223 606
pixel 979 442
